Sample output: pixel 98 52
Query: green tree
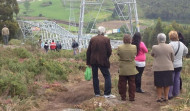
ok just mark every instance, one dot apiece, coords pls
pixel 158 29
pixel 7 9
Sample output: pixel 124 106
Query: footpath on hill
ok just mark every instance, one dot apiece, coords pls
pixel 78 96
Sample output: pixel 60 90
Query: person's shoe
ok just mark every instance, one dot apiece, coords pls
pixel 131 99
pixel 110 96
pixel 123 99
pixel 159 100
pixel 170 97
pixel 140 91
pixel 97 95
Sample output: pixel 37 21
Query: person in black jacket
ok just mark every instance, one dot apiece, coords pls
pixel 75 47
pixel 58 46
pixel 46 46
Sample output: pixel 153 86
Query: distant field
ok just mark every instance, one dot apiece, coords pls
pixel 60 11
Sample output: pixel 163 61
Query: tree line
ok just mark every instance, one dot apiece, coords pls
pixel 150 33
pixel 177 10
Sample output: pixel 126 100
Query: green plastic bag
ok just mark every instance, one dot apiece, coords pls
pixel 88 74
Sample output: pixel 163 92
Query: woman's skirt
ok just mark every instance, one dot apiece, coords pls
pixel 163 78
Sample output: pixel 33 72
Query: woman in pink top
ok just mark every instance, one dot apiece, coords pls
pixel 139 60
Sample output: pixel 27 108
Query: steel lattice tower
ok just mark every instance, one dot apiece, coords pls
pixel 129 16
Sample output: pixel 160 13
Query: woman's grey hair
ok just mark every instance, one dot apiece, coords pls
pixel 101 30
pixel 161 38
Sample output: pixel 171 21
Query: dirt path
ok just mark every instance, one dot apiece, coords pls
pixel 79 95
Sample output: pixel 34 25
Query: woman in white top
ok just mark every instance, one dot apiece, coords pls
pixel 180 50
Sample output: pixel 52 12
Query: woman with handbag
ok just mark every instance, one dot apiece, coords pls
pixel 180 50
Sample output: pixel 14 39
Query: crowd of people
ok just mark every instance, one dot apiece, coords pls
pixel 51 46
pixel 57 46
pixel 167 64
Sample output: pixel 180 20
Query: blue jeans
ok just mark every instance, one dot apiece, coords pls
pixel 6 39
pixel 107 77
pixel 175 89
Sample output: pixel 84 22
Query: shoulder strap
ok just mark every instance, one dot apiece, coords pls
pixel 178 48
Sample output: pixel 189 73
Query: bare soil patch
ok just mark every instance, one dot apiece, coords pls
pixel 79 95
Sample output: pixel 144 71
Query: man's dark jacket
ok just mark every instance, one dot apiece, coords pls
pixel 99 51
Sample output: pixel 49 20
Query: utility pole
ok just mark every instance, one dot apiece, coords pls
pixel 136 16
pixel 81 20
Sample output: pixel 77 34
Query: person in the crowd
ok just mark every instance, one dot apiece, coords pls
pixel 40 43
pixel 58 46
pixel 181 39
pixel 46 46
pixel 127 70
pixel 53 45
pixel 75 47
pixel 163 67
pixel 180 50
pixel 98 54
pixel 139 59
pixel 5 34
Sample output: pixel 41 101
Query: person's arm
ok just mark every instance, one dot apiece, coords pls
pixel 88 54
pixel 152 53
pixel 118 51
pixel 8 31
pixel 109 50
pixel 144 48
pixel 185 51
pixel 172 54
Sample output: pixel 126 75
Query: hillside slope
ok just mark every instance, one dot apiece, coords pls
pixel 178 10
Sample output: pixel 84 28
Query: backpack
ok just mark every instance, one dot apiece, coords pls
pixel 75 44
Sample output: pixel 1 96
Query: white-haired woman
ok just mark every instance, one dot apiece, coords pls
pixel 162 66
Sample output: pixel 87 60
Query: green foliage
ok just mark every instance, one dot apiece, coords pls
pixel 150 33
pixel 81 56
pixel 13 28
pixel 116 36
pixel 99 109
pixel 27 5
pixel 22 53
pixel 15 42
pixel 19 69
pixel 178 10
pixel 57 71
pixel 13 84
pixel 7 9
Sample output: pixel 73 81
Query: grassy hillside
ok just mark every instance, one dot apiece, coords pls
pixel 59 10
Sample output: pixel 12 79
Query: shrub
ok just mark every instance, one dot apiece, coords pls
pixel 15 42
pixel 40 15
pixel 22 53
pixel 13 84
pixel 81 56
pixel 56 71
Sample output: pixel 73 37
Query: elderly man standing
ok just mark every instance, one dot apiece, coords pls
pixel 98 54
pixel 5 34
